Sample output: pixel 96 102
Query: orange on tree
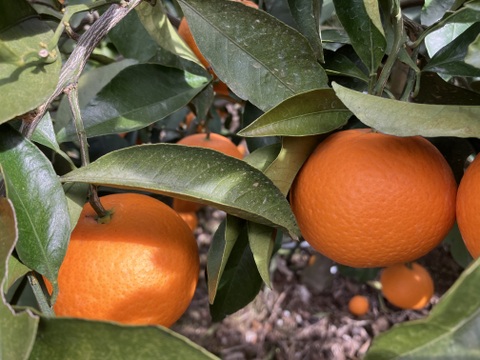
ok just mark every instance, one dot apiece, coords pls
pixel 407 286
pixel 190 218
pixel 468 208
pixel 141 267
pixel 358 305
pixel 368 199
pixel 212 141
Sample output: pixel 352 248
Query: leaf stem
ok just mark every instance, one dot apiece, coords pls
pixel 41 296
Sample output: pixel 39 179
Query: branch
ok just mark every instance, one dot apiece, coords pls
pixel 73 67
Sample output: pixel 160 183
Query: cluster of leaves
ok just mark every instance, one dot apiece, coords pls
pixel 295 83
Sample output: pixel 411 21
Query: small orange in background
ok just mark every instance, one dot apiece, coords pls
pixel 190 218
pixel 141 267
pixel 407 286
pixel 359 305
pixel 367 199
pixel 468 208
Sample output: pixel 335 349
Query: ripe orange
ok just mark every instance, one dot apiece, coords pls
pixel 367 199
pixel 407 286
pixel 359 305
pixel 468 208
pixel 190 218
pixel 140 268
pixel 214 141
pixel 187 36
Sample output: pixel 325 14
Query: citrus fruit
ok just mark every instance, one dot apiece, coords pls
pixel 367 199
pixel 407 286
pixel 187 36
pixel 468 208
pixel 190 218
pixel 215 142
pixel 139 268
pixel 358 305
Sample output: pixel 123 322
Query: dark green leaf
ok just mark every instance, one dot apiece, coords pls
pixel 361 20
pixel 15 271
pixel 249 115
pixel 17 331
pixel 240 282
pixel 25 80
pixel 390 116
pixel 192 173
pixel 261 240
pixel 219 252
pixel 306 14
pixel 39 202
pixel 76 194
pixel 457 247
pixel 309 113
pixel 138 96
pixel 244 56
pixel 338 64
pixel 450 59
pixel 451 330
pixel 262 157
pixel 75 339
pixel 12 12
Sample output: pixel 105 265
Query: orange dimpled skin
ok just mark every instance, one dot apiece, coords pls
pixel 139 268
pixel 214 141
pixel 359 305
pixel 367 199
pixel 468 208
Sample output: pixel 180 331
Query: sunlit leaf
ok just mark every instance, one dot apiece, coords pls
pixel 434 10
pixel 136 97
pixel 451 330
pixel 389 116
pixel 39 201
pixel 473 53
pixel 244 56
pixel 77 339
pixel 192 173
pixel 309 113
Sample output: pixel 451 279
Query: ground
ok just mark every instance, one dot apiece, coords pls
pixel 304 315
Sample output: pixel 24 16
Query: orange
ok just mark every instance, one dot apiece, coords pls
pixel 190 218
pixel 468 208
pixel 213 141
pixel 407 286
pixel 139 268
pixel 359 305
pixel 187 36
pixel 367 199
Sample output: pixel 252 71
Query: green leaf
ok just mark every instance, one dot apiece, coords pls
pixel 261 240
pixel 244 56
pixel 451 330
pixel 76 194
pixel 89 85
pixel 16 270
pixel 63 338
pixel 389 116
pixel 472 57
pixel 309 113
pixel 436 40
pixel 240 282
pixel 219 252
pixel 39 201
pixel 25 80
pixel 306 14
pixel 339 64
pixel 138 96
pixel 450 59
pixel 17 331
pixel 434 10
pixel 361 20
pixel 192 173
pixel 262 157
pixel 12 12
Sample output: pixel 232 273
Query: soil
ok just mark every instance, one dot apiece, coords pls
pixel 304 315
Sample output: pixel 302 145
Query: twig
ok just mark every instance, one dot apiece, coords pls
pixel 75 64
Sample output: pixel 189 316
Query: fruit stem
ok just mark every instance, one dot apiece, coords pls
pixel 103 216
pixel 40 295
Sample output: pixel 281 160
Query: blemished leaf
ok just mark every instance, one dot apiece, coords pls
pixel 223 241
pixel 389 116
pixel 78 339
pixel 17 331
pixel 192 173
pixel 261 240
pixel 136 97
pixel 89 84
pixel 434 10
pixel 473 53
pixel 450 59
pixel 240 281
pixel 39 201
pixel 450 331
pixel 361 20
pixel 25 80
pixel 306 14
pixel 244 56
pixel 309 113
